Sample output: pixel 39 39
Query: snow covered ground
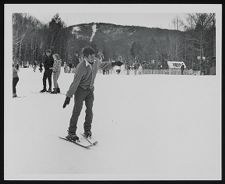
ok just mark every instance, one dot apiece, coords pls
pixel 148 127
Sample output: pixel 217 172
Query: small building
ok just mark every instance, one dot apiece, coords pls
pixel 175 66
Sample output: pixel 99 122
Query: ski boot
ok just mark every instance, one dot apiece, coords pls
pixel 14 95
pixel 72 137
pixel 58 90
pixel 88 134
pixel 43 90
pixel 54 91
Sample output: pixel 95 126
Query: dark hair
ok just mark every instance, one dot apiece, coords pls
pixel 49 50
pixel 88 51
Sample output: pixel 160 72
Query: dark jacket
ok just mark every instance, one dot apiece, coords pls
pixel 48 62
pixel 182 67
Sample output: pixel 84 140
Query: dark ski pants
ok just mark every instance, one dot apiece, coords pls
pixel 15 81
pixel 47 75
pixel 81 95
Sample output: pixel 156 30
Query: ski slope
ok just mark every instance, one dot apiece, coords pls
pixel 148 127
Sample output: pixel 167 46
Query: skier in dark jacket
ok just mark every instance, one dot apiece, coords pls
pixel 182 69
pixel 48 64
pixel 15 78
pixel 40 67
pixel 70 67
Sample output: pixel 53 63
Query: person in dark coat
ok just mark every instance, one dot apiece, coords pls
pixel 15 78
pixel 182 69
pixel 40 67
pixel 48 64
pixel 34 66
pixel 70 67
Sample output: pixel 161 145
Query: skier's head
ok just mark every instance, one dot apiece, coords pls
pixel 89 54
pixel 48 52
pixel 56 56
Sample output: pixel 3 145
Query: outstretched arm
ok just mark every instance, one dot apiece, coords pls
pixel 107 65
pixel 104 65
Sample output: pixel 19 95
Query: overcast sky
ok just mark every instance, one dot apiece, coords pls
pixel 147 15
pixel 160 20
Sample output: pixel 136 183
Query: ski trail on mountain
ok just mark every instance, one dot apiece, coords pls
pixel 94 29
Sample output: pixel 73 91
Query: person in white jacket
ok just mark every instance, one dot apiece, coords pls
pixel 56 69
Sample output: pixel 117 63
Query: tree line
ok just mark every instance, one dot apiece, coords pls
pixel 31 38
pixel 133 44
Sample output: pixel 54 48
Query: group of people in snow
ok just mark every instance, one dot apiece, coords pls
pixel 52 64
pixel 82 86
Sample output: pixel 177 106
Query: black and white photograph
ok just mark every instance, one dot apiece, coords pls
pixel 112 91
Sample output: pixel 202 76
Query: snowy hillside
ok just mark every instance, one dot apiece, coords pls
pixel 148 127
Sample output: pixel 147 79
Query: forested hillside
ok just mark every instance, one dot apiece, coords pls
pixel 132 43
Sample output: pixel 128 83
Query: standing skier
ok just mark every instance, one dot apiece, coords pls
pixel 82 88
pixel 182 69
pixel 56 72
pixel 48 64
pixel 15 78
pixel 34 66
pixel 40 67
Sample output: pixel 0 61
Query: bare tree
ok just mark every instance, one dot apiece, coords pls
pixel 198 24
pixel 178 24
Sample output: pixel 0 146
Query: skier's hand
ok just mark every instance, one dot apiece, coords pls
pixel 67 101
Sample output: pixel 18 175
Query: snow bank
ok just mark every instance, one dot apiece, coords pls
pixel 148 127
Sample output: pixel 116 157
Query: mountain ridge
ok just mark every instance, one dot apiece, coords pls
pixel 131 42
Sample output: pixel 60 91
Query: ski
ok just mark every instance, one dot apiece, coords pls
pixel 92 141
pixel 61 94
pixel 77 143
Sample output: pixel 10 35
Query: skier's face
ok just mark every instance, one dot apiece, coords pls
pixel 91 58
pixel 48 53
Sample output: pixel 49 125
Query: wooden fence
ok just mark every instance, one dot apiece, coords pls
pixel 170 72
